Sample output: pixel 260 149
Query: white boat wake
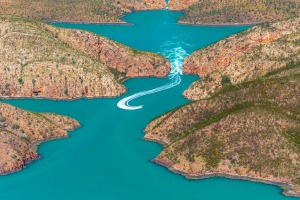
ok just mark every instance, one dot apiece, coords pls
pixel 176 56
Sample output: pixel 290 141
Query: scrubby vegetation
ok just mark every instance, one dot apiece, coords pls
pixel 249 129
pixel 236 11
pixel 76 11
pixel 21 130
pixel 40 60
pixel 256 52
pixel 249 126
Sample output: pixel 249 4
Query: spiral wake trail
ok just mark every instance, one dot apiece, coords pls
pixel 176 57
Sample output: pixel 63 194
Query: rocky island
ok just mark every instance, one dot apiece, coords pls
pixel 21 131
pixel 244 122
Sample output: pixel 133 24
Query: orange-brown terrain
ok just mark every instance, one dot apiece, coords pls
pixel 38 60
pixel 235 11
pixel 21 131
pixel 250 131
pixel 244 122
pixel 243 57
pixel 180 4
pixel 85 11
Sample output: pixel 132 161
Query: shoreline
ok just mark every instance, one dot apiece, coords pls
pixel 78 98
pixel 34 146
pixel 287 188
pixel 163 144
pixel 218 25
pixel 123 23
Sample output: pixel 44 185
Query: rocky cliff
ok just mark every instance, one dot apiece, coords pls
pixel 245 131
pixel 235 11
pixel 245 122
pixel 180 5
pixel 86 11
pixel 21 131
pixel 38 60
pixel 129 62
pixel 243 57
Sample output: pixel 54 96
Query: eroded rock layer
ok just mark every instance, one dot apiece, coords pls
pixel 180 5
pixel 248 131
pixel 81 11
pixel 243 57
pixel 21 131
pixel 235 11
pixel 38 60
pixel 129 62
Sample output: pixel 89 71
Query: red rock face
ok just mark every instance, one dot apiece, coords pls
pixel 20 131
pixel 46 62
pixel 243 57
pixel 125 60
pixel 87 11
pixel 204 65
pixel 145 4
pixel 180 4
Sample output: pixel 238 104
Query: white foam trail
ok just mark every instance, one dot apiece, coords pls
pixel 176 56
pixel 124 103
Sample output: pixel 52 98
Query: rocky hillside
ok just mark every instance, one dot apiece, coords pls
pixel 91 11
pixel 21 131
pixel 246 131
pixel 235 11
pixel 37 60
pixel 243 57
pixel 129 62
pixel 181 5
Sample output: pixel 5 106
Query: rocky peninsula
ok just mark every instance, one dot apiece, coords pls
pixel 243 57
pixel 41 61
pixel 21 131
pixel 244 122
pixel 224 12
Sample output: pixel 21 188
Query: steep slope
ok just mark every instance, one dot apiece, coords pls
pixel 235 11
pixel 129 62
pixel 37 60
pixel 245 123
pixel 88 11
pixel 21 131
pixel 243 57
pixel 249 131
pixel 181 5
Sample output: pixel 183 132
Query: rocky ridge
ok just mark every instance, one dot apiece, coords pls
pixel 247 131
pixel 244 122
pixel 243 57
pixel 181 5
pixel 21 131
pixel 81 11
pixel 205 12
pixel 38 60
pixel 129 62
pixel 209 12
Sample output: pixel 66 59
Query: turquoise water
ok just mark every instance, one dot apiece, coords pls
pixel 106 158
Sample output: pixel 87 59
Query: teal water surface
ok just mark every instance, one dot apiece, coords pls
pixel 106 158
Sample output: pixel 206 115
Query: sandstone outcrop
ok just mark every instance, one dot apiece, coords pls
pixel 37 60
pixel 243 57
pixel 180 5
pixel 21 130
pixel 218 12
pixel 129 62
pixel 246 131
